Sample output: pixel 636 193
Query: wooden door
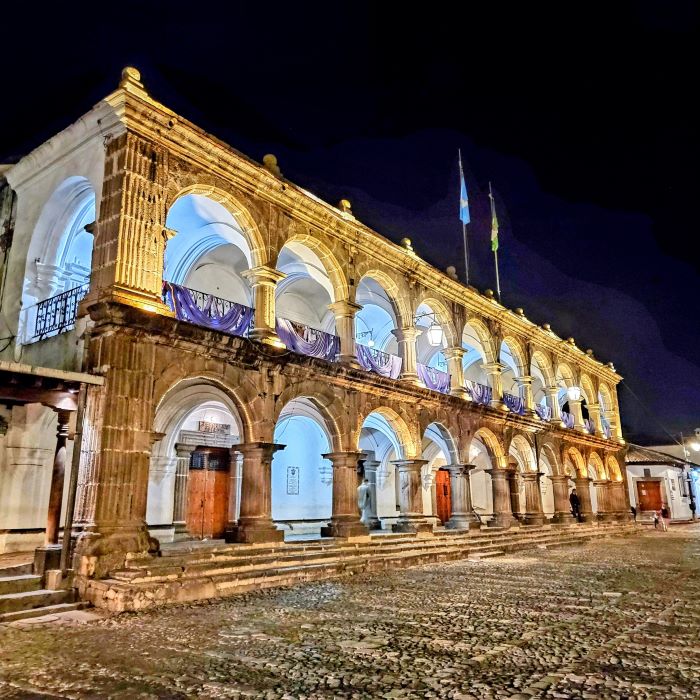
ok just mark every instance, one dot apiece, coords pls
pixel 443 495
pixel 207 493
pixel 648 495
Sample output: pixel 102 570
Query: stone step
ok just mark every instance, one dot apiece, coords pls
pixel 41 612
pixel 16 570
pixel 13 602
pixel 19 584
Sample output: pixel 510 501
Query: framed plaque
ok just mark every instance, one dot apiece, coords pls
pixel 292 481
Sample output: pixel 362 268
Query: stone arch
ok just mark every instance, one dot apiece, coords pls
pixel 573 456
pixel 408 444
pixel 523 451
pixel 596 463
pixel 613 468
pixel 588 389
pixel 249 227
pixel 518 353
pixel 550 456
pixel 542 361
pixel 605 398
pixel 484 336
pixel 444 318
pixel 397 293
pixel 443 438
pixel 565 375
pixel 493 445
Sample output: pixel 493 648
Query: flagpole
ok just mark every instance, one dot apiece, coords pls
pixel 464 226
pixel 498 281
pixel 494 223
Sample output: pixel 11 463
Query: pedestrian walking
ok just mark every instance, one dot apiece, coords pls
pixel 665 517
pixel 656 520
pixel 575 505
pixel 634 513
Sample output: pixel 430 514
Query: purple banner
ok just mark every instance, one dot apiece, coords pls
pixel 207 310
pixel 308 341
pixel 514 403
pixel 379 362
pixel 589 425
pixel 567 419
pixel 544 412
pixel 434 379
pixel 480 393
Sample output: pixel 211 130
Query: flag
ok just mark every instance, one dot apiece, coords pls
pixel 494 222
pixel 463 199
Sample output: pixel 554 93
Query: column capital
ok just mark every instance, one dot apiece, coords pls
pixel 344 308
pixel 409 464
pixel 559 478
pixel 498 472
pixel 183 449
pixel 531 476
pixel 525 379
pixel 344 459
pixel 406 333
pixel 460 469
pixel 262 274
pixel 455 352
pixel 264 450
pixel 493 367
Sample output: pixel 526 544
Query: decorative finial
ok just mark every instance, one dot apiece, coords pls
pixel 345 206
pixel 489 293
pixel 547 327
pixel 519 312
pixel 611 365
pixel 270 164
pixel 571 341
pixel 451 272
pixel 589 352
pixel 131 80
pixel 406 243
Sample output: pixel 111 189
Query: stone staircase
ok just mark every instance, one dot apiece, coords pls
pixel 187 573
pixel 22 595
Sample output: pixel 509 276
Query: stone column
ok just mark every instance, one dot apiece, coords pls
pixel 412 518
pixel 562 506
pixel 53 519
pixel 493 372
pixel 406 338
pixel 370 467
pixel 553 403
pixel 594 413
pixel 454 367
pixel 182 471
pixel 534 514
pixel 577 413
pixel 583 491
pixel 525 385
pixel 345 518
pixel 602 487
pixel 255 523
pixel 462 517
pixel 514 489
pixel 502 511
pixel 234 490
pixel 618 503
pixel 344 312
pixel 263 281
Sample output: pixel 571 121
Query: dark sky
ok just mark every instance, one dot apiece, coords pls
pixel 580 114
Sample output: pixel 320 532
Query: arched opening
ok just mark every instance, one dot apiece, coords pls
pixel 439 451
pixel 59 261
pixel 485 453
pixel 384 439
pixel 542 378
pixel 194 476
pixel 548 466
pixel 568 390
pixel 521 458
pixel 513 367
pixel 607 411
pixel 205 265
pixel 435 333
pixel 302 479
pixel 376 344
pixel 476 343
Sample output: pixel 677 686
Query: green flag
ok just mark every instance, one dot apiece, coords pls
pixel 494 222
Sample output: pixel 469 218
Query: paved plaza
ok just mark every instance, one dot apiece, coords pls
pixel 617 618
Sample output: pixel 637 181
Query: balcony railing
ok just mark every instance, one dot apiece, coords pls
pixel 207 310
pixel 434 378
pixel 379 362
pixel 57 314
pixel 480 393
pixel 544 412
pixel 606 429
pixel 567 419
pixel 307 340
pixel 514 403
pixel 590 426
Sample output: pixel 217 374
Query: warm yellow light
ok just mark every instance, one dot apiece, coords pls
pixel 695 446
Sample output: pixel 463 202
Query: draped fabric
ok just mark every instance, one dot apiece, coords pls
pixel 589 425
pixel 207 310
pixel 544 412
pixel 479 392
pixel 379 362
pixel 606 428
pixel 514 403
pixel 308 341
pixel 434 379
pixel 567 419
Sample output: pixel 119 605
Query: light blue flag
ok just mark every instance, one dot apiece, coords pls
pixel 463 199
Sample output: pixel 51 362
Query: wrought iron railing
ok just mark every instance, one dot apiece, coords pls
pixel 544 412
pixel 433 378
pixel 57 314
pixel 307 340
pixel 378 361
pixel 567 419
pixel 207 310
pixel 480 393
pixel 514 403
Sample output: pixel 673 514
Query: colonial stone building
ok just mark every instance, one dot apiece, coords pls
pixel 232 355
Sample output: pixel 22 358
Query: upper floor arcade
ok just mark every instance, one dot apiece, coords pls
pixel 134 204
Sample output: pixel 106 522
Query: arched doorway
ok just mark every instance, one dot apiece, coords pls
pixel 438 451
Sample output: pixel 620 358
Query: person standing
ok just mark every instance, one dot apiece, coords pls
pixel 575 505
pixel 633 510
pixel 364 502
pixel 665 517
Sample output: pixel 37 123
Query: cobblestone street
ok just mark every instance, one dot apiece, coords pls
pixel 618 618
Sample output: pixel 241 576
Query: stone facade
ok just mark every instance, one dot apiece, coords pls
pixel 150 360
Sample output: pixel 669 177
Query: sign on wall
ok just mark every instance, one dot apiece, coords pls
pixel 292 481
pixel 206 426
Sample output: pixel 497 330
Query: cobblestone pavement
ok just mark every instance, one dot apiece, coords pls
pixel 618 618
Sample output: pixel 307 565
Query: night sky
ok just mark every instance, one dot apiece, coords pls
pixel 580 115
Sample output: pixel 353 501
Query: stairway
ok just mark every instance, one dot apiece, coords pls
pixel 188 573
pixel 22 595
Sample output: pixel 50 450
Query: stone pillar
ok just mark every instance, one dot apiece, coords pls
pixel 406 338
pixel 534 514
pixel 514 489
pixel 502 511
pixel 553 403
pixel 462 517
pixel 577 413
pixel 255 523
pixel 263 281
pixel 370 468
pixel 345 518
pixel 602 487
pixel 53 519
pixel 562 506
pixel 594 413
pixel 412 518
pixel 234 490
pixel 454 367
pixel 583 491
pixel 493 372
pixel 525 385
pixel 618 502
pixel 182 471
pixel 344 312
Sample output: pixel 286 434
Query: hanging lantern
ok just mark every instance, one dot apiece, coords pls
pixel 435 334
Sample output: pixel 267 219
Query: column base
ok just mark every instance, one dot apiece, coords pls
pixel 411 378
pixel 180 528
pixel 412 524
pixel 349 361
pixel 563 519
pixel 534 519
pixel 463 522
pixel 503 520
pixel 267 337
pixel 46 558
pixel 605 517
pixel 374 523
pixel 347 529
pixel 254 533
